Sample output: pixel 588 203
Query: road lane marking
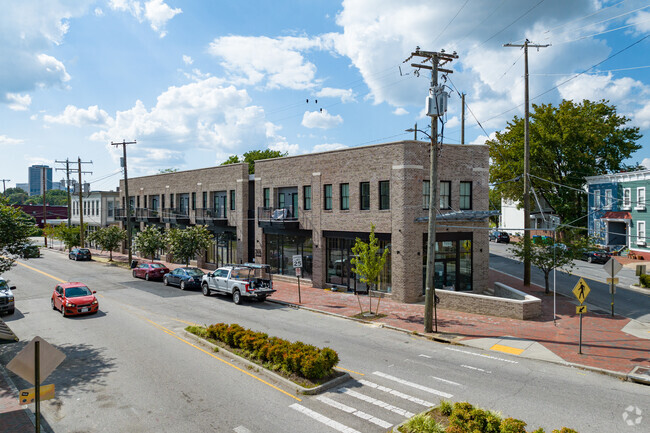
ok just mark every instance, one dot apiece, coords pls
pixel 41 272
pixel 376 402
pixel 413 385
pixel 425 356
pixel 475 368
pixel 241 429
pixel 350 371
pixel 323 419
pixel 507 349
pixel 335 404
pixel 445 380
pixel 482 355
pixel 396 393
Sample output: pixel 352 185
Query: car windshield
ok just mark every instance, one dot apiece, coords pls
pixel 84 250
pixel 3 285
pixel 75 292
pixel 157 265
pixel 194 272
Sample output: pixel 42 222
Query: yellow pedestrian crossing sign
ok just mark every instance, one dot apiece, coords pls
pixel 581 309
pixel 581 290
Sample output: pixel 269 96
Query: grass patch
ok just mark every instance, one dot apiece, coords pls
pixel 363 316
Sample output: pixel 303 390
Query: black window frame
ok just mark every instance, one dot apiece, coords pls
pixel 462 197
pixel 193 201
pixel 306 197
pixel 442 196
pixel 266 197
pixel 327 196
pixel 205 200
pixel 345 196
pixel 364 196
pixel 426 194
pixel 384 196
pixel 232 199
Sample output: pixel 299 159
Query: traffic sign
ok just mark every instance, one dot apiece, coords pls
pixel 612 280
pixel 581 309
pixel 297 261
pixel 612 267
pixel 28 396
pixel 298 272
pixel 23 363
pixel 581 290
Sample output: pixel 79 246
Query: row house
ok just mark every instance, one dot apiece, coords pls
pixel 98 209
pixel 316 206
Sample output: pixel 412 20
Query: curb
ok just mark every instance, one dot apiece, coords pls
pixel 13 389
pixel 299 389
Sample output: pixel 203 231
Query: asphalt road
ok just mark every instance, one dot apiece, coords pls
pixel 129 368
pixel 634 304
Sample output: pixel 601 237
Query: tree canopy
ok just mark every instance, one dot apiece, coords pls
pixel 54 197
pixel 567 143
pixel 108 238
pixel 15 228
pixel 252 156
pixel 185 244
pixel 16 195
pixel 149 241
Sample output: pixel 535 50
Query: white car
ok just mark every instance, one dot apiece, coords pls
pixel 249 280
pixel 7 303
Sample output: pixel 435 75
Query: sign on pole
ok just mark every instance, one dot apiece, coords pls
pixel 297 264
pixel 298 272
pixel 297 261
pixel 28 396
pixel 23 363
pixel 581 290
pixel 612 267
pixel 581 309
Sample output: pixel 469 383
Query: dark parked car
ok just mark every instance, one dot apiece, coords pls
pixel 150 271
pixel 595 256
pixel 80 254
pixel 184 278
pixel 497 236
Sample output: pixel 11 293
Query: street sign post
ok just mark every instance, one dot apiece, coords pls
pixel 612 267
pixel 297 264
pixel 581 309
pixel 581 291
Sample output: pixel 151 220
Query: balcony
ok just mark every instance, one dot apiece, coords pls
pixel 147 215
pixel 178 216
pixel 213 217
pixel 120 214
pixel 284 218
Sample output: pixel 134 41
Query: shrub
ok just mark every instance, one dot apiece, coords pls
pixel 644 280
pixel 511 425
pixel 445 407
pixel 565 430
pixel 422 423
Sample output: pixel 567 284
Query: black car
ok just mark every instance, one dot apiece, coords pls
pixel 185 278
pixel 80 254
pixel 595 256
pixel 497 236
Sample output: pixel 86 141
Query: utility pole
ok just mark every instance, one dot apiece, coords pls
pixel 436 97
pixel 525 46
pixel 81 210
pixel 4 189
pixel 44 205
pixel 126 198
pixel 67 186
pixel 462 120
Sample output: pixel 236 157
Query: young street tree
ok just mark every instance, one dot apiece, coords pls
pixel 109 238
pixel 149 241
pixel 15 228
pixel 567 143
pixel 70 236
pixel 367 261
pixel 185 244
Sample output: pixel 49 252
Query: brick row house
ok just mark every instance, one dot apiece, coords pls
pixel 316 205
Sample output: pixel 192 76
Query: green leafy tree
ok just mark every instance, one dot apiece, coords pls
pixel 149 241
pixel 54 197
pixel 70 236
pixel 367 261
pixel 167 170
pixel 16 196
pixel 109 238
pixel 254 155
pixel 15 229
pixel 185 244
pixel 567 143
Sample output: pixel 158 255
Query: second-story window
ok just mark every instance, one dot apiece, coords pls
pixel 426 194
pixel 267 198
pixel 445 194
pixel 306 197
pixel 384 195
pixel 327 193
pixel 205 200
pixel 193 201
pixel 627 198
pixel 640 198
pixel 608 199
pixel 465 196
pixel 137 201
pixel 232 199
pixel 597 199
pixel 364 193
pixel 345 196
pixel 171 201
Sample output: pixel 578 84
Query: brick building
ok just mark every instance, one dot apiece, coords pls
pixel 316 205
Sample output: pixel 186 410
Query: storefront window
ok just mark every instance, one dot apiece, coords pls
pixel 339 268
pixel 453 265
pixel 223 250
pixel 280 250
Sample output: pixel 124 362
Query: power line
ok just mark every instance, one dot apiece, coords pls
pixel 508 26
pixel 601 33
pixel 451 21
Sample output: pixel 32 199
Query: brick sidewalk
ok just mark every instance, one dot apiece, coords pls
pixel 13 417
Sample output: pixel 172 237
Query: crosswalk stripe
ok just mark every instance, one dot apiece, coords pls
pixel 413 385
pixel 396 393
pixel 376 402
pixel 445 380
pixel 353 411
pixel 323 419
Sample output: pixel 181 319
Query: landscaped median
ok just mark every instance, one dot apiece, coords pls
pixel 465 418
pixel 306 368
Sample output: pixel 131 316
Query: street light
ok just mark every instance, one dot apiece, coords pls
pixel 430 287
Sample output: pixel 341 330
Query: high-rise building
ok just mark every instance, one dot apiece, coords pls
pixel 35 179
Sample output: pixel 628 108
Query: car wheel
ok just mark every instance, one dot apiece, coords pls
pixel 76 258
pixel 182 285
pixel 11 311
pixel 590 259
pixel 52 303
pixel 165 281
pixel 146 276
pixel 62 310
pixel 134 275
pixel 236 297
pixel 206 290
pixel 261 298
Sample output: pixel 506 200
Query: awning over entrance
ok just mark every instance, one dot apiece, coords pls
pixel 616 216
pixel 467 215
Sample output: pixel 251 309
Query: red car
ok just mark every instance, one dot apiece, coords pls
pixel 150 271
pixel 73 299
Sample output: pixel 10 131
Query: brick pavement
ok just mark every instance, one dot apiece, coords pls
pixel 14 418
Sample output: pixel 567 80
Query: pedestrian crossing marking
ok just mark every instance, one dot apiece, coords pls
pixel 507 349
pixel 396 393
pixel 376 402
pixel 323 419
pixel 413 385
pixel 328 401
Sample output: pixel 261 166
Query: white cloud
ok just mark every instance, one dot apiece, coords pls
pixel 646 163
pixel 276 63
pixel 197 75
pixel 157 12
pixel 99 12
pixel 346 95
pixel 291 149
pixel 18 102
pixel 641 21
pixel 328 146
pixel 187 60
pixel 74 116
pixel 320 119
pixel 4 140
pixel 597 87
pixel 642 117
pixel 399 111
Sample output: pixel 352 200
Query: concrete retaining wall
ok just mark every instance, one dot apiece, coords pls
pixel 511 303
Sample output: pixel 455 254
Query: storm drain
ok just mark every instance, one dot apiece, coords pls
pixel 640 375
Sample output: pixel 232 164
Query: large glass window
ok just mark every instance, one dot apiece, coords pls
pixel 453 264
pixel 640 233
pixel 306 197
pixel 327 194
pixel 384 195
pixel 339 267
pixel 232 199
pixel 364 193
pixel 345 196
pixel 219 204
pixel 465 196
pixel 205 200
pixel 608 199
pixel 627 198
pixel 267 198
pixel 223 250
pixel 193 201
pixel 280 250
pixel 426 194
pixel 445 194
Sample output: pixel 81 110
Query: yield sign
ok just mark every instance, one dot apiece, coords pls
pixel 23 363
pixel 581 290
pixel 612 267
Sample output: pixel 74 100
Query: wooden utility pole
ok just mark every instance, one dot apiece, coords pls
pixel 436 59
pixel 80 192
pixel 4 188
pixel 126 198
pixel 462 120
pixel 44 189
pixel 525 46
pixel 67 186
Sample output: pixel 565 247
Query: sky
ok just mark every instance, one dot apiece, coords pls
pixel 193 82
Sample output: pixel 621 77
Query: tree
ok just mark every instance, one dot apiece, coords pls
pixel 254 155
pixel 185 244
pixel 567 143
pixel 15 228
pixel 53 197
pixel 149 241
pixel 167 170
pixel 109 238
pixel 70 236
pixel 367 261
pixel 16 196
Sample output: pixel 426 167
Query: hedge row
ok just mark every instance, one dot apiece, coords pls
pixel 297 358
pixel 644 279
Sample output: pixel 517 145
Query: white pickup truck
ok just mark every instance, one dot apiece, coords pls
pixel 249 280
pixel 7 304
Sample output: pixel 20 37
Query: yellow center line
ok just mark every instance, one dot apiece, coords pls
pixel 41 272
pixel 350 371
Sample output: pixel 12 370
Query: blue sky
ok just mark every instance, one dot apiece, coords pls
pixel 196 81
